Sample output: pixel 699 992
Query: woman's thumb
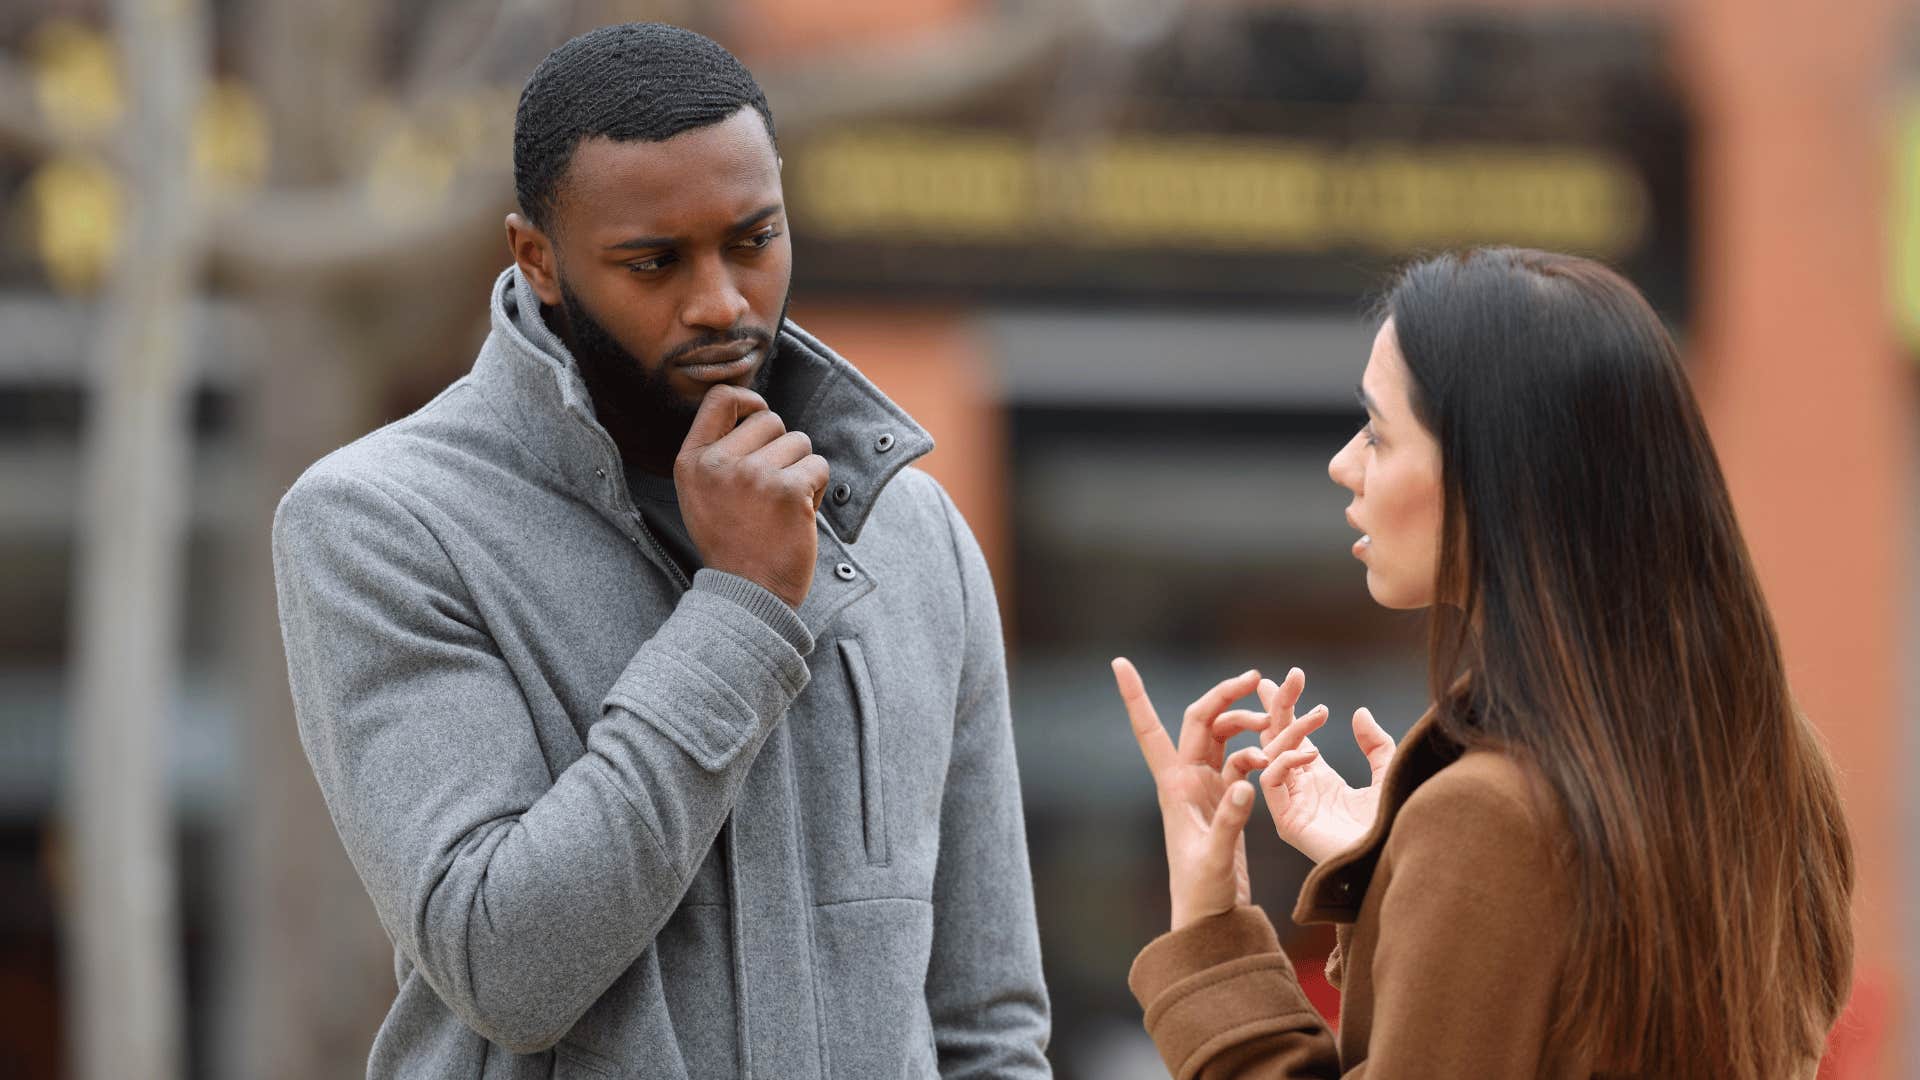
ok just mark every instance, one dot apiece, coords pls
pixel 1229 818
pixel 1374 741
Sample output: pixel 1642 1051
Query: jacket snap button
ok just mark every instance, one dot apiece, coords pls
pixel 884 443
pixel 601 473
pixel 841 493
pixel 844 571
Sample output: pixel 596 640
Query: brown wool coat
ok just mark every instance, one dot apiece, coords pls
pixel 1452 917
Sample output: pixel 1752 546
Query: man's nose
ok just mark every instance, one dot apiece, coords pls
pixel 714 301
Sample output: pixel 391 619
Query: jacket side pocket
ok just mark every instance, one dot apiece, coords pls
pixel 872 773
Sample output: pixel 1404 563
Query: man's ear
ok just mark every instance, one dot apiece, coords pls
pixel 533 252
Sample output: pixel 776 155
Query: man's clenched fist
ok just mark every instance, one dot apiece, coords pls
pixel 748 491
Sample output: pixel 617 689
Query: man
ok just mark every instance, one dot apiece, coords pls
pixel 661 708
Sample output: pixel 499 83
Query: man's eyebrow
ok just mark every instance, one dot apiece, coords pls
pixel 643 243
pixel 756 217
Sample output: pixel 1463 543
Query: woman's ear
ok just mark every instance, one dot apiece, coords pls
pixel 534 253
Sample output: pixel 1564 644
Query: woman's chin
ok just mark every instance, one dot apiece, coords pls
pixel 1388 593
pixel 1375 588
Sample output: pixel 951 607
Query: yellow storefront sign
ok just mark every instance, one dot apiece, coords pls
pixel 1217 193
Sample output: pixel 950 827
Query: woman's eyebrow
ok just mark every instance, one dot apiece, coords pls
pixel 1366 402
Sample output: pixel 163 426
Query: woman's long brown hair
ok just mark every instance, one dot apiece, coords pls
pixel 1601 597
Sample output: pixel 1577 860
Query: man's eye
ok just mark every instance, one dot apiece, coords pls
pixel 761 239
pixel 1366 430
pixel 645 266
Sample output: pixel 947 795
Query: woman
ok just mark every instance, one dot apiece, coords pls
pixel 1613 846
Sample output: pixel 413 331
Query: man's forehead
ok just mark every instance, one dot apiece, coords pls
pixel 701 177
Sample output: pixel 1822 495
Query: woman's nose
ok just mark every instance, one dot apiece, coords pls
pixel 1344 468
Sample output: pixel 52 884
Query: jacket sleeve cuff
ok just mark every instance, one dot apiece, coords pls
pixel 720 672
pixel 1217 982
pixel 1194 948
pixel 759 602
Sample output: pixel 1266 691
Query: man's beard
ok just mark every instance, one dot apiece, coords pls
pixel 636 403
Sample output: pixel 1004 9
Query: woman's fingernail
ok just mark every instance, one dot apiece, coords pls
pixel 1242 794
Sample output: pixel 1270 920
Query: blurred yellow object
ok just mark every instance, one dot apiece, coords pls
pixel 76 79
pixel 78 211
pixel 411 172
pixel 1906 223
pixel 480 125
pixel 371 119
pixel 230 140
pixel 942 184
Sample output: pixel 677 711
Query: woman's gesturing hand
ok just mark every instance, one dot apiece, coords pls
pixel 1203 806
pixel 1313 808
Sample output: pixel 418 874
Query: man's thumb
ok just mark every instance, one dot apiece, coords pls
pixel 720 412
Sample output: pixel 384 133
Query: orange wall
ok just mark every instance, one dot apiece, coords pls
pixel 1811 405
pixel 767 28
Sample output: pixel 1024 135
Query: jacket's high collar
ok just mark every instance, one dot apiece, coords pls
pixel 532 382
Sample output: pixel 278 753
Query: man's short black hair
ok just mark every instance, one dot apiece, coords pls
pixel 637 82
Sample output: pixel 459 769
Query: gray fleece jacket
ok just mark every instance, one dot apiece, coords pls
pixel 619 823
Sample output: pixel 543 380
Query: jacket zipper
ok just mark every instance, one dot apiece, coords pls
pixel 727 841
pixel 624 502
pixel 678 575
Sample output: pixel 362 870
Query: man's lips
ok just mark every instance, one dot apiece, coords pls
pixel 721 362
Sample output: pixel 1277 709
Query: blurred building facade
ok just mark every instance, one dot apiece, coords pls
pixel 1115 256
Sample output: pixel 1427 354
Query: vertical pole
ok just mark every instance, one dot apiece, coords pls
pixel 124 980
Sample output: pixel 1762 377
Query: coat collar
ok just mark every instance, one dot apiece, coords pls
pixel 1333 890
pixel 531 380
